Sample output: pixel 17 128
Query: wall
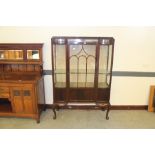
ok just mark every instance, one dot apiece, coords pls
pixel 134 52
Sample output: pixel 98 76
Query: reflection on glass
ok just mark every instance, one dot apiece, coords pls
pixel 1 54
pixel 91 41
pixel 11 54
pixel 74 41
pixel 82 41
pixel 32 54
pixel 105 41
pixel 60 41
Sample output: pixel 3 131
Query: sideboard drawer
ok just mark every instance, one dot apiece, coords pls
pixel 4 90
pixel 4 95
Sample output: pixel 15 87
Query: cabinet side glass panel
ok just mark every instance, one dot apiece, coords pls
pixel 109 64
pixel 103 66
pixel 59 56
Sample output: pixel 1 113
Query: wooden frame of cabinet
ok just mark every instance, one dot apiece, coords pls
pixel 21 80
pixel 151 105
pixel 82 71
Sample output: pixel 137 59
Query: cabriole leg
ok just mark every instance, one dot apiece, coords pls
pixel 108 109
pixel 54 111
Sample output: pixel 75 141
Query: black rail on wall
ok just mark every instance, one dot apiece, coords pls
pixel 119 73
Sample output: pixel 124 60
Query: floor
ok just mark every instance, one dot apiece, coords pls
pixel 85 119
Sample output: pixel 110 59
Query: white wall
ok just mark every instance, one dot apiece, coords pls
pixel 134 51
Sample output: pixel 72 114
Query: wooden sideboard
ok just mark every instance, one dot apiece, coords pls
pixel 21 80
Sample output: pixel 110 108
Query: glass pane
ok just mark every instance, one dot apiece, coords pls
pixel 102 81
pixel 91 41
pixel 82 80
pixel 108 79
pixel 33 54
pixel 90 80
pixel 82 41
pixel 105 41
pixel 59 55
pixel 91 65
pixel 109 58
pixel 2 53
pixel 103 59
pixel 73 80
pixel 11 54
pixel 75 41
pixel 60 80
pixel 82 64
pixel 73 71
pixel 74 49
pixel 90 49
pixel 104 66
pixel 59 41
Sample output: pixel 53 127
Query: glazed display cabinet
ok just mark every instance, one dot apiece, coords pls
pixel 82 71
pixel 21 80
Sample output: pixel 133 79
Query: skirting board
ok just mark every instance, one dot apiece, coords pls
pixel 92 107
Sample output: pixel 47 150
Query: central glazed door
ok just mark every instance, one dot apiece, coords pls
pixel 82 68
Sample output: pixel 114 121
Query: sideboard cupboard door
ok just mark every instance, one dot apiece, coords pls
pixel 23 100
pixel 17 99
pixel 28 100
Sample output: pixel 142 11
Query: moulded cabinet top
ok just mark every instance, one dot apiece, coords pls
pixel 83 40
pixel 19 46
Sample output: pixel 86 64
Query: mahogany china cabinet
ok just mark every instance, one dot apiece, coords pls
pixel 21 80
pixel 82 72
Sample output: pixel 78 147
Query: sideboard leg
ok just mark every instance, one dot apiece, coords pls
pixel 38 120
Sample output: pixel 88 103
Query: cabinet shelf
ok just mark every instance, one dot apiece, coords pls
pixel 5 105
pixel 81 85
pixel 81 71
